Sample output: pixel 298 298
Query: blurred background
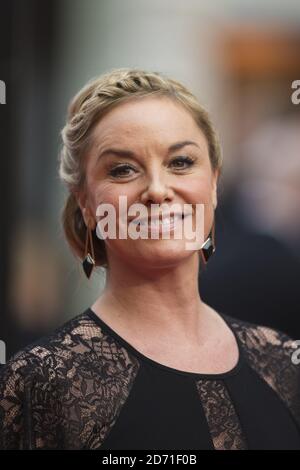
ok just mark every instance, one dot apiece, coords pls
pixel 240 59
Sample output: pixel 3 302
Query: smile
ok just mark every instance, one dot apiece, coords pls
pixel 155 221
pixel 160 224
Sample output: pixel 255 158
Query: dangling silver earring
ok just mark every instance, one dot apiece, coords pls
pixel 209 246
pixel 88 263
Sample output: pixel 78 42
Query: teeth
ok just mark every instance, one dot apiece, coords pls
pixel 165 222
pixel 168 221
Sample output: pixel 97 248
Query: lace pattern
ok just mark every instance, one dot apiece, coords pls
pixel 269 353
pixel 67 393
pixel 223 422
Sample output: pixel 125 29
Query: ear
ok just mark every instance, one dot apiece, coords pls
pixel 82 202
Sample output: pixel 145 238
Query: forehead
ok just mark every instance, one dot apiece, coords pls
pixel 155 120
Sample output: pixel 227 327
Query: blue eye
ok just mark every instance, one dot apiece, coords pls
pixel 120 171
pixel 183 160
pixel 123 170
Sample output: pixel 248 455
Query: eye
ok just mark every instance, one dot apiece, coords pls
pixel 120 171
pixel 182 162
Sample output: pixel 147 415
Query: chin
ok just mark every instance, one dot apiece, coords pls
pixel 162 253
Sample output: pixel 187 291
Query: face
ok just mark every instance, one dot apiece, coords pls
pixel 151 172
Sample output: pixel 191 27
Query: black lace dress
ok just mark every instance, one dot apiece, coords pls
pixel 85 387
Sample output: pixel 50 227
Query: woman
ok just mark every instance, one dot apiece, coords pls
pixel 149 365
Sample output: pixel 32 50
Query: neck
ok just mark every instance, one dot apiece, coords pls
pixel 154 301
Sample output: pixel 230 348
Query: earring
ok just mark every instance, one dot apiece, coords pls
pixel 88 263
pixel 209 247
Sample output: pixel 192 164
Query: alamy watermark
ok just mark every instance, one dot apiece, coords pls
pixel 2 352
pixel 183 221
pixel 296 354
pixel 2 92
pixel 295 97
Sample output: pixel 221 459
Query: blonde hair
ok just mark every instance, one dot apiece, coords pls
pixel 85 110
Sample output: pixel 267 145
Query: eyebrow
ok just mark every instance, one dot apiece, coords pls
pixel 130 153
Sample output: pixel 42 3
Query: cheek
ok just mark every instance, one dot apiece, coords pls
pixel 108 193
pixel 198 191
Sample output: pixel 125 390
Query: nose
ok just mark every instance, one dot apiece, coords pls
pixel 157 189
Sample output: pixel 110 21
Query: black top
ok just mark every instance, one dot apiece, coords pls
pixel 85 387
